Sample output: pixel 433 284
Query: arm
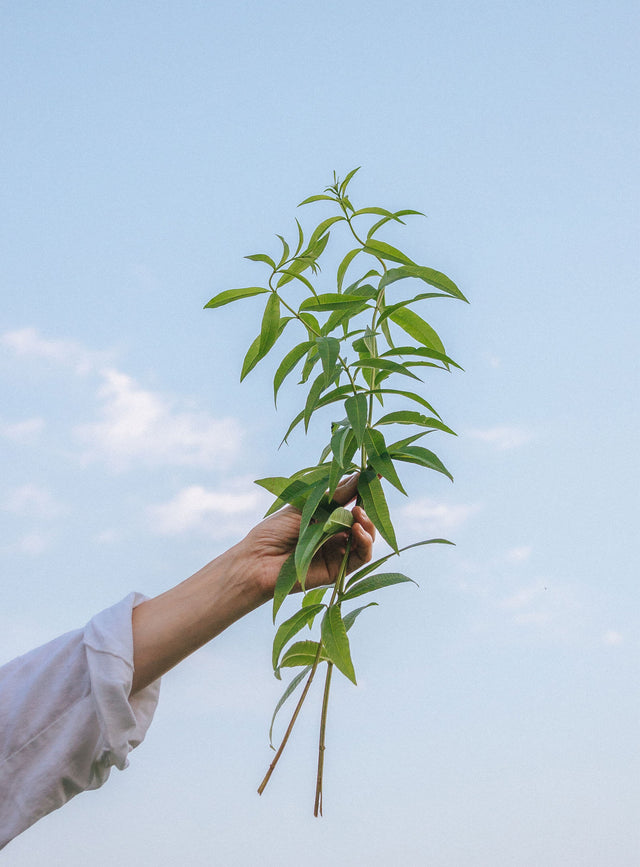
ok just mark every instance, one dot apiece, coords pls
pixel 169 627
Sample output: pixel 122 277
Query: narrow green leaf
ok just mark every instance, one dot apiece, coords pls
pixel 329 350
pixel 300 239
pixel 270 324
pixel 349 619
pixel 331 301
pixel 409 417
pixel 342 267
pixel 410 395
pixel 314 597
pixel 339 520
pixel 416 327
pixel 421 456
pixel 307 546
pixel 357 410
pixel 285 251
pixel 423 352
pixel 379 458
pixel 375 582
pixel 290 274
pixel 381 212
pixel 331 397
pixel 291 627
pixel 287 364
pixel 323 227
pixel 285 581
pixel 230 295
pixel 301 653
pixel 317 387
pixel 336 643
pixel 384 364
pixel 317 199
pixel 386 251
pixel 297 680
pixel 313 501
pixel 262 257
pixel 345 183
pixel 371 567
pixel 375 505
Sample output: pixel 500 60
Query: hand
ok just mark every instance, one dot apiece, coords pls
pixel 274 539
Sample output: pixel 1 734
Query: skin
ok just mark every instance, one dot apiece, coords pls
pixel 171 626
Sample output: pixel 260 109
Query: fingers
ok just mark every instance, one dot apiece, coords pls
pixel 347 490
pixel 363 534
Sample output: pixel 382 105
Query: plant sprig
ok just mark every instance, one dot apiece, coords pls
pixel 355 343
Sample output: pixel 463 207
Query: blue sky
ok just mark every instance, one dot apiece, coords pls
pixel 145 149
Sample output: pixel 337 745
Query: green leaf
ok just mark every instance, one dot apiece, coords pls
pixel 312 359
pixel 317 199
pixel 379 458
pixel 336 643
pixel 342 267
pixel 331 397
pixel 297 680
pixel 423 352
pixel 375 505
pixel 323 227
pixel 329 350
pixel 433 278
pixel 285 251
pixel 262 257
pixel 371 567
pixel 357 410
pixel 410 395
pixel 313 501
pixel 339 520
pixel 291 627
pixel 345 183
pixel 375 582
pixel 270 324
pixel 331 301
pixel 285 581
pixel 317 387
pixel 300 238
pixel 417 328
pixel 421 456
pixel 314 597
pixel 386 251
pixel 301 653
pixel 233 295
pixel 381 212
pixel 384 364
pixel 308 545
pixel 409 417
pixel 290 274
pixel 287 364
pixel 349 619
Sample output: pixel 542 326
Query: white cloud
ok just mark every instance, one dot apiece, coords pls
pixel 27 342
pixel 518 554
pixel 611 638
pixel 433 517
pixel 138 426
pixel 215 513
pixel 502 436
pixel 32 501
pixel 22 431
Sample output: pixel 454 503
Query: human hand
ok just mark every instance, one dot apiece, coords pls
pixel 271 542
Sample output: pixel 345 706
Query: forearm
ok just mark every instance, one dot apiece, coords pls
pixel 169 627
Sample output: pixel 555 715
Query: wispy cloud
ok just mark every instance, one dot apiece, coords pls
pixel 502 436
pixel 26 431
pixel 139 426
pixel 518 554
pixel 29 343
pixel 215 513
pixel 612 638
pixel 32 501
pixel 433 517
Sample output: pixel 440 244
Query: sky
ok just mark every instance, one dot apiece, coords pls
pixel 145 149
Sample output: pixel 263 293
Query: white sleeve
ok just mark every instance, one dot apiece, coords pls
pixel 66 717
